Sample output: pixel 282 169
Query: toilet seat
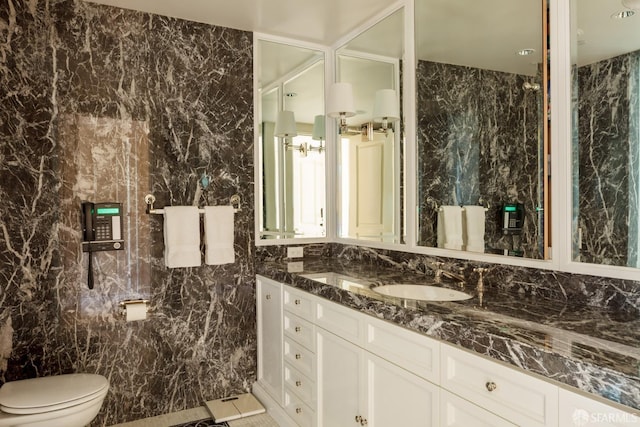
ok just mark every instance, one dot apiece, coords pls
pixel 46 394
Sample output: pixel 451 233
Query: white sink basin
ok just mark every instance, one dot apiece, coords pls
pixel 421 292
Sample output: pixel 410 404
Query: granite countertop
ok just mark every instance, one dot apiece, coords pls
pixel 595 350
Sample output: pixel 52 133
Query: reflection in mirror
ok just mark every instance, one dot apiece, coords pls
pixel 292 141
pixel 480 84
pixel 606 132
pixel 370 144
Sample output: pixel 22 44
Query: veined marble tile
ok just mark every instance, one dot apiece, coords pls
pixel 106 104
pixel 478 144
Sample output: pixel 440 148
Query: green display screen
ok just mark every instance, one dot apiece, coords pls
pixel 509 208
pixel 108 211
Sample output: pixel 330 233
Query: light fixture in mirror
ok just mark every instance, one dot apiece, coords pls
pixel 340 103
pixel 369 156
pixel 291 142
pixel 481 126
pixel 606 133
pixel 386 107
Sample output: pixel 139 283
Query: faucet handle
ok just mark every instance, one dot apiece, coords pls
pixel 480 270
pixel 436 266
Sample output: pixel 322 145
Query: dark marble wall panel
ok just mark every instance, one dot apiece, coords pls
pixel 478 141
pixel 606 144
pixel 621 298
pixel 102 103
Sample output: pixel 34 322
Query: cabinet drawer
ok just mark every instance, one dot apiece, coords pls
pixel 457 412
pixel 302 414
pixel 340 321
pixel 299 302
pixel 515 396
pixel 410 350
pixel 300 358
pixel 299 330
pixel 300 385
pixel 578 409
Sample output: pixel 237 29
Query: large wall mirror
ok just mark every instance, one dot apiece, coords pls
pixel 370 141
pixel 606 131
pixel 291 142
pixel 481 125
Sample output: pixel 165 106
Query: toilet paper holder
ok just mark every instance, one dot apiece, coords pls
pixel 123 305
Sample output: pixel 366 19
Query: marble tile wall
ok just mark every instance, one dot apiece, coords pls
pixel 607 149
pixel 478 144
pixel 100 103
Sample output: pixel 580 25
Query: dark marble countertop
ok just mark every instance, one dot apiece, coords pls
pixel 589 348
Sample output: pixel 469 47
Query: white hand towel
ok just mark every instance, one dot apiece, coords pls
pixel 474 219
pixel 182 236
pixel 452 219
pixel 218 235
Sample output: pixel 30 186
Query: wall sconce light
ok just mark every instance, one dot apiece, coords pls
pixel 386 107
pixel 340 103
pixel 286 128
pixel 285 125
pixel 318 133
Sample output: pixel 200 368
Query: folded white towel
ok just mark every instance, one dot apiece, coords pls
pixel 218 235
pixel 440 228
pixel 182 236
pixel 452 221
pixel 474 220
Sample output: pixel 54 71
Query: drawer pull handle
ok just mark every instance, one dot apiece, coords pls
pixel 491 386
pixel 298 383
pixel 268 296
pixel 298 356
pixel 298 329
pixel 298 410
pixel 297 302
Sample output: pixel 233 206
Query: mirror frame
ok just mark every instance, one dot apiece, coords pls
pixel 564 46
pixel 408 112
pixel 560 18
pixel 257 149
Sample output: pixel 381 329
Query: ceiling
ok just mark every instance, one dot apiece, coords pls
pixel 482 34
pixel 598 35
pixel 317 21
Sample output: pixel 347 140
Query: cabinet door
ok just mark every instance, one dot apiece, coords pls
pixel 457 412
pixel 269 311
pixel 579 410
pixel 339 380
pixel 396 397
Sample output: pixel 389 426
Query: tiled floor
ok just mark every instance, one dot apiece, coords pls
pixel 262 420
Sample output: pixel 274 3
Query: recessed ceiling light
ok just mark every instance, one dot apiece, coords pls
pixel 526 52
pixel 623 14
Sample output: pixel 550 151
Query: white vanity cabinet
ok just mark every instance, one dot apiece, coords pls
pixel 359 388
pixel 269 319
pixel 321 364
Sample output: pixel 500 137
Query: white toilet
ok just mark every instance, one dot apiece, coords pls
pixel 71 400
